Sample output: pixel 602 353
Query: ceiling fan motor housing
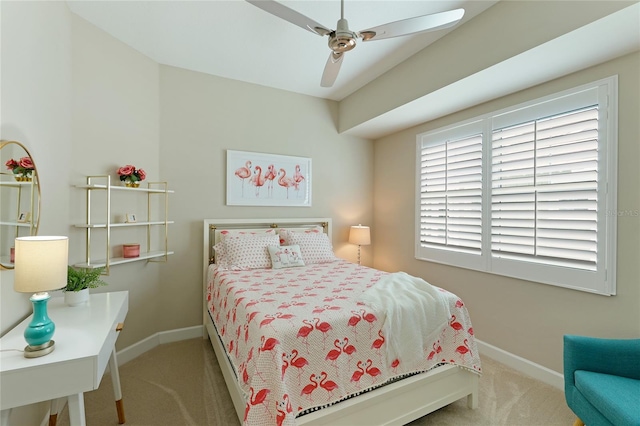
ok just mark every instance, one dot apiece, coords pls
pixel 342 39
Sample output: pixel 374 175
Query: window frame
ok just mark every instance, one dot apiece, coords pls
pixel 603 280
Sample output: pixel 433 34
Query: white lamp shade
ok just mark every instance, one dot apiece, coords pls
pixel 360 235
pixel 40 263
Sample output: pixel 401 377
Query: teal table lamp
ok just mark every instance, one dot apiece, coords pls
pixel 40 265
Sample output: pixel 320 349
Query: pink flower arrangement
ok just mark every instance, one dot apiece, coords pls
pixel 131 174
pixel 23 167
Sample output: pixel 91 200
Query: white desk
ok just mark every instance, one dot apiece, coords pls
pixel 85 339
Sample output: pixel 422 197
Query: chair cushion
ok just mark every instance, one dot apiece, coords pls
pixel 617 398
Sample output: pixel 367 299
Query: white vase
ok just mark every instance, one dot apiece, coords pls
pixel 76 298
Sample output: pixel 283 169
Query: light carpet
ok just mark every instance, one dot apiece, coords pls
pixel 181 384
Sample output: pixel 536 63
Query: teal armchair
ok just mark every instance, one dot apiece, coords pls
pixel 602 380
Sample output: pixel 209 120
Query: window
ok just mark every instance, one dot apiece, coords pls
pixel 525 192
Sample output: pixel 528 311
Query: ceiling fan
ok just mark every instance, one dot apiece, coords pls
pixel 342 39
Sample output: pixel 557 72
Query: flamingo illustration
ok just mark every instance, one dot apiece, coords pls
pixel 373 372
pixel 347 348
pixel 283 408
pixel 334 353
pixel 377 344
pixel 328 385
pixel 353 322
pixel 284 181
pixel 298 362
pixel 324 327
pixel 270 176
pixel 308 389
pixel 244 173
pixel 357 375
pixel 370 318
pixel 256 399
pixel 258 180
pixel 395 364
pixel 297 178
pixel 455 325
pixel 268 345
pixel 304 332
pixel 287 400
pixel 463 350
pixel 285 364
pixel 280 414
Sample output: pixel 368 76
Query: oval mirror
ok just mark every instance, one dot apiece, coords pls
pixel 19 198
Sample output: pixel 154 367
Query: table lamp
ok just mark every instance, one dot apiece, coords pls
pixel 40 265
pixel 361 236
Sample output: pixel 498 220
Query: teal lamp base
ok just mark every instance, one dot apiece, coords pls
pixel 40 330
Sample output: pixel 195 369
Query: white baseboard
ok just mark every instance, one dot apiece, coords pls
pixel 522 365
pixel 137 349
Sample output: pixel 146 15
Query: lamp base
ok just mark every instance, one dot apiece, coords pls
pixel 39 350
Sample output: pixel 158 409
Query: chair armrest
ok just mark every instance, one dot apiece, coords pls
pixel 619 357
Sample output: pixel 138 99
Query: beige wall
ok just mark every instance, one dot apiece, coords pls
pixel 115 121
pixel 525 318
pixel 201 117
pixel 35 110
pixel 85 103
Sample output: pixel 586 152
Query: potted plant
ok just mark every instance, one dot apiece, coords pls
pixel 131 176
pixel 79 281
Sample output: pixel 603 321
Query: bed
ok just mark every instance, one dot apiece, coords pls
pixel 302 339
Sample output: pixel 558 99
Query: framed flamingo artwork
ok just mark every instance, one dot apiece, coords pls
pixel 258 179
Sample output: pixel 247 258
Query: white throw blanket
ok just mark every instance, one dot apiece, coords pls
pixel 416 313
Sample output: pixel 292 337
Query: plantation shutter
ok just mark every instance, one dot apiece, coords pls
pixel 451 194
pixel 544 190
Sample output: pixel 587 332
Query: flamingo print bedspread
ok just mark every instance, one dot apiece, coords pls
pixel 303 338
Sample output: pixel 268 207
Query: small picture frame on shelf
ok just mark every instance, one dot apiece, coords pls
pixel 130 218
pixel 24 217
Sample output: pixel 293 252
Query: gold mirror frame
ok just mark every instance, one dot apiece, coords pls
pixel 16 219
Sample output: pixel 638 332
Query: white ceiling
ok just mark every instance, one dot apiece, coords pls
pixel 236 40
pixel 233 39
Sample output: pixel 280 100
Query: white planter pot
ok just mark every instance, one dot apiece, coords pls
pixel 76 298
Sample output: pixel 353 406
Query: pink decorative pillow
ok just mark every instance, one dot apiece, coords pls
pixel 249 251
pixel 285 232
pixel 315 247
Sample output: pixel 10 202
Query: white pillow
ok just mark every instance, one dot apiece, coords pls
pixel 249 251
pixel 220 255
pixel 315 247
pixel 285 232
pixel 285 256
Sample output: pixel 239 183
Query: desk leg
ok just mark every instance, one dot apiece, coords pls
pixel 76 410
pixel 117 391
pixel 56 406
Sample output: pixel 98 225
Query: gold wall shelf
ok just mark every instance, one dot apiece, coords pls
pixel 100 190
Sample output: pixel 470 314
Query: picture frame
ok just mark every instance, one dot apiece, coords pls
pixel 24 217
pixel 130 218
pixel 261 179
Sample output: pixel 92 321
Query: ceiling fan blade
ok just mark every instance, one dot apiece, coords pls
pixel 436 21
pixel 331 69
pixel 296 18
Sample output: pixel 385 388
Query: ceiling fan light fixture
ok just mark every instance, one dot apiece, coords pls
pixel 342 39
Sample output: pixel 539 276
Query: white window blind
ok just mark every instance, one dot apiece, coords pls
pixel 544 181
pixel 525 192
pixel 451 194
